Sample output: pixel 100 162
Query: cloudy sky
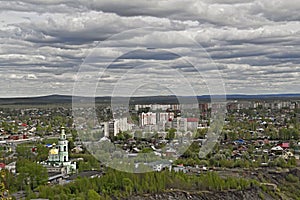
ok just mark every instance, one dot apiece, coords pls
pixel 152 47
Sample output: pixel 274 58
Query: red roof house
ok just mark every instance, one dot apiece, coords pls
pixel 285 145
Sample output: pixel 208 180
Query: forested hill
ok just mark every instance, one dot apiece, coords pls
pixel 56 99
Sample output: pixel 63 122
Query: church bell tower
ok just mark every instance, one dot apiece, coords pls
pixel 63 146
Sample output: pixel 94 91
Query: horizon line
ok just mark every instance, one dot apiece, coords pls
pixel 106 96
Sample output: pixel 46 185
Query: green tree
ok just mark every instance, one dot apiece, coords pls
pixel 93 195
pixel 171 134
pixel 31 173
pixel 127 186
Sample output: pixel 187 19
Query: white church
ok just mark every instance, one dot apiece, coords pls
pixel 58 159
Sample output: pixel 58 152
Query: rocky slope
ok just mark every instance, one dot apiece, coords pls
pixel 252 194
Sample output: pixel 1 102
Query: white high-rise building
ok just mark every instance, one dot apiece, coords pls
pixel 148 118
pixel 117 125
pixel 165 116
pixel 105 126
pixel 192 123
pixel 180 124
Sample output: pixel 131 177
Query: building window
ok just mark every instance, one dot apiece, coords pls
pixel 65 148
pixel 65 158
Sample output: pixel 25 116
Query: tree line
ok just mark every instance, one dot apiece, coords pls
pixel 116 184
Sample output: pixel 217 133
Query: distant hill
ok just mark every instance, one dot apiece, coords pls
pixel 37 100
pixel 56 99
pixel 264 96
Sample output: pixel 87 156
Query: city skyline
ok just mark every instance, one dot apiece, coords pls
pixel 47 46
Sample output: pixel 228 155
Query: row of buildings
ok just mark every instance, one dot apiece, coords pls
pixel 275 104
pixel 167 120
pixel 233 104
pixel 150 122
pixel 160 117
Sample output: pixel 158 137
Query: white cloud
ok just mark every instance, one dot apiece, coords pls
pixel 254 44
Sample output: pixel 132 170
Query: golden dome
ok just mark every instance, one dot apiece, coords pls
pixel 53 151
